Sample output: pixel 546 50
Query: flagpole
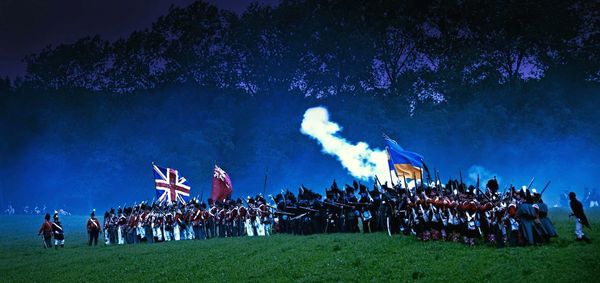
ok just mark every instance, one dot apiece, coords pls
pixel 390 169
pixel 153 179
pixel 265 184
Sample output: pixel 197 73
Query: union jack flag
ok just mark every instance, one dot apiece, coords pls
pixel 170 187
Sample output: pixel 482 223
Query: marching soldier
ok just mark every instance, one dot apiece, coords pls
pixel 93 228
pixel 169 227
pixel 198 222
pixel 121 223
pixel 46 232
pixel 178 226
pixel 106 228
pixel 146 220
pixel 59 235
pixel 211 225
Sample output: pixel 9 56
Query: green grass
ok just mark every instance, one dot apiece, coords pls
pixel 284 258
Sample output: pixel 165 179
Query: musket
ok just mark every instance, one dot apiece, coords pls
pixel 336 204
pixel 544 189
pixel 377 180
pixel 283 212
pixel 478 190
pixel 359 203
pixel 503 195
pixel 415 180
pixel 428 176
pixel 343 205
pixel 511 190
pixel 438 183
pixel 368 193
pixel 309 209
pixel 43 241
pixel 299 216
pixel 265 184
pixel 390 171
pixel 530 183
pixel 330 203
pixel 406 185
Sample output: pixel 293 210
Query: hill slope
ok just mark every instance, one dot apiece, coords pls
pixel 334 257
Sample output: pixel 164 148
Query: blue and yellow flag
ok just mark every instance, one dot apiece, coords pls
pixel 405 163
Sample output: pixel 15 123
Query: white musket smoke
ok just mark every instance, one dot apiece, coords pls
pixel 361 161
pixel 484 175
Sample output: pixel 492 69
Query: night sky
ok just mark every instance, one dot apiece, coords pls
pixel 27 26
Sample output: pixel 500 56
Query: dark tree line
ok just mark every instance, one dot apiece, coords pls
pixel 420 50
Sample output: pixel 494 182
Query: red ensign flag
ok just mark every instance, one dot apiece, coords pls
pixel 221 185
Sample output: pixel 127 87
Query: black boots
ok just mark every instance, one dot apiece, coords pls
pixel 585 239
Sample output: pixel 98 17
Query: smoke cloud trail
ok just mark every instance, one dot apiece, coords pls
pixel 484 175
pixel 361 161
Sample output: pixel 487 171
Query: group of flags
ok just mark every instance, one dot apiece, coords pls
pixel 171 187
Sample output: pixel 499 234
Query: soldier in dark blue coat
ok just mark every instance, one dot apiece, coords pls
pixel 526 215
pixel 577 209
pixel 57 231
pixel 546 224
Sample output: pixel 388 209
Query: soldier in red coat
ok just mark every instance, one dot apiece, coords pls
pixel 46 231
pixel 93 228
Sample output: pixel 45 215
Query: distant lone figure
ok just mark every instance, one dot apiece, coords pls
pixel 93 227
pixel 46 232
pixel 577 209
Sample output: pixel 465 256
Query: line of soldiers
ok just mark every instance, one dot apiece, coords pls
pixel 454 212
pixel 195 220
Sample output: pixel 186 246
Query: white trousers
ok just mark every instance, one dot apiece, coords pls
pixel 176 233
pixel 260 229
pixel 121 235
pixel 190 232
pixel 578 229
pixel 249 230
pixel 141 231
pixel 157 231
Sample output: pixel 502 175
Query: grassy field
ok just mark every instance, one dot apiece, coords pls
pixel 283 258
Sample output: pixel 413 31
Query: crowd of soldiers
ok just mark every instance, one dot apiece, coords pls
pixel 454 212
pixel 157 222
